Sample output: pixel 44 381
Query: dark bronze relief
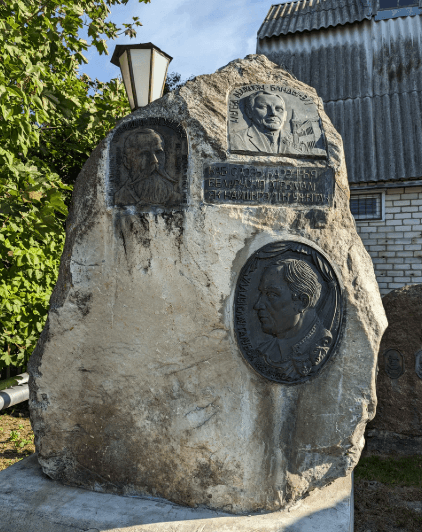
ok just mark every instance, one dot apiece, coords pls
pixel 288 311
pixel 149 158
pixel 418 364
pixel 274 120
pixel 393 363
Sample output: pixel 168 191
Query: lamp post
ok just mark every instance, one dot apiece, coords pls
pixel 144 71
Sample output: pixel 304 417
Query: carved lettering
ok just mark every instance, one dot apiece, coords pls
pixel 268 185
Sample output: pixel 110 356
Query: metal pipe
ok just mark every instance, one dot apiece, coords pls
pixel 15 394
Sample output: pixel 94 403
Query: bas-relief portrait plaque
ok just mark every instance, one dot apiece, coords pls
pixel 288 311
pixel 393 363
pixel 274 120
pixel 149 158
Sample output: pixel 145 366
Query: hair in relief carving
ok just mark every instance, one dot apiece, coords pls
pixel 250 102
pixel 302 280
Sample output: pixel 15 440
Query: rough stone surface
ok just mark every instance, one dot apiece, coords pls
pixel 137 383
pixel 397 426
pixel 31 502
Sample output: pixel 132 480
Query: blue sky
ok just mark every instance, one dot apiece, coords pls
pixel 201 36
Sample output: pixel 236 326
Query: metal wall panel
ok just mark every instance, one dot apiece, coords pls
pixel 307 15
pixel 354 121
pixel 337 62
pixel 381 136
pixel 398 141
pixel 397 55
pixel 369 75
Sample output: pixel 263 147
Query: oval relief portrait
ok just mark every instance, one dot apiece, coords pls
pixel 288 311
pixel 393 363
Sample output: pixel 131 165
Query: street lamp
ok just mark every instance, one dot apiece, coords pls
pixel 144 71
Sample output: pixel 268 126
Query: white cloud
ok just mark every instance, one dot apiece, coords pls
pixel 201 36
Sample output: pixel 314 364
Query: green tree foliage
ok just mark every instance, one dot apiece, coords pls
pixel 174 81
pixel 50 120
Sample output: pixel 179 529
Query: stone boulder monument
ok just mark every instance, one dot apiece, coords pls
pixel 213 334
pixel 397 427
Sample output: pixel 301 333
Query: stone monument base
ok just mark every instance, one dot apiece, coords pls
pixel 32 502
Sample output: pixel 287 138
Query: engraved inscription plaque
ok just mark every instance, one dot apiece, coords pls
pixel 149 158
pixel 288 311
pixel 268 185
pixel 393 363
pixel 418 364
pixel 274 120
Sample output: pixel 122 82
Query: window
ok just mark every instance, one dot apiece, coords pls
pixel 395 4
pixel 366 206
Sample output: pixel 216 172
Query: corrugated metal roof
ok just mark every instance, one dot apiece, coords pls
pixel 397 55
pixel 380 141
pixel 336 63
pixel 307 15
pixel 369 76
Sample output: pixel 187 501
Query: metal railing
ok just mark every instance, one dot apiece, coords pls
pixel 15 394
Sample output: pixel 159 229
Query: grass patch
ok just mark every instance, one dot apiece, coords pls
pixel 403 471
pixel 16 439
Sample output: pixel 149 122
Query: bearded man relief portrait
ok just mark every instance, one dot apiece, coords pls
pixel 148 165
pixel 147 181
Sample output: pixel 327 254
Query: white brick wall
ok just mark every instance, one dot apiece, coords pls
pixel 395 244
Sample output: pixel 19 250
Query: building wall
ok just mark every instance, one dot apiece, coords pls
pixel 369 75
pixel 395 244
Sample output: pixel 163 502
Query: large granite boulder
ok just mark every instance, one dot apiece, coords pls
pixel 213 333
pixel 397 427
